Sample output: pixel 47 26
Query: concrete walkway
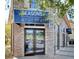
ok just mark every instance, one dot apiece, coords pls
pixel 63 57
pixel 63 53
pixel 66 51
pixel 46 57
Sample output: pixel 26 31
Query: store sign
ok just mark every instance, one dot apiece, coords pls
pixel 30 16
pixel 69 30
pixel 32 13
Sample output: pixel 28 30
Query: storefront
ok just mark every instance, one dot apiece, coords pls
pixel 31 34
pixel 29 29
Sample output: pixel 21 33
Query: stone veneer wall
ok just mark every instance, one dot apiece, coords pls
pixel 49 35
pixel 19 40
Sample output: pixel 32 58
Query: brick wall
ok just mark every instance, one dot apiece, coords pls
pixel 49 41
pixel 18 40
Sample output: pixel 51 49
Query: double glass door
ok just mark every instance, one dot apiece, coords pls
pixel 34 41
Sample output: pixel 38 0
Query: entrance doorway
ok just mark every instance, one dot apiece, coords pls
pixel 34 41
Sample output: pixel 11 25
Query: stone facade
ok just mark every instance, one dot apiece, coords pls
pixel 49 41
pixel 51 36
pixel 51 33
pixel 63 27
pixel 18 39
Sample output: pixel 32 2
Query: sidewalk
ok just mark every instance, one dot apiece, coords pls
pixel 63 53
pixel 46 57
pixel 62 57
pixel 66 51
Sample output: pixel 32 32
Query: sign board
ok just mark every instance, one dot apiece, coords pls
pixel 69 31
pixel 30 16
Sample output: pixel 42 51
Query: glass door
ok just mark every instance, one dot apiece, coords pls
pixel 34 41
pixel 40 42
pixel 29 49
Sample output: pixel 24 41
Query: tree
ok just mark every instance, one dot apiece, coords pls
pixel 62 7
pixel 8 52
pixel 71 13
pixel 8 34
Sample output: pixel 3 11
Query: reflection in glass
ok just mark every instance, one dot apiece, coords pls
pixel 39 40
pixel 29 41
pixel 34 41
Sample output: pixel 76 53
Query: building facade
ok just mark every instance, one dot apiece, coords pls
pixel 31 34
pixel 35 34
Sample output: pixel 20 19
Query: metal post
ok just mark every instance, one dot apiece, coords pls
pixel 54 34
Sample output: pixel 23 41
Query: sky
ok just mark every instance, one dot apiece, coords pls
pixel 8 3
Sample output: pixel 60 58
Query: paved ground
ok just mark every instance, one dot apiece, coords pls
pixel 63 53
pixel 62 57
pixel 46 57
pixel 66 51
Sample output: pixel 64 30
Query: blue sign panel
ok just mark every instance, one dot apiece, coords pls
pixel 69 30
pixel 30 16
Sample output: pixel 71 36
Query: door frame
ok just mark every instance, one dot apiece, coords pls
pixel 34 43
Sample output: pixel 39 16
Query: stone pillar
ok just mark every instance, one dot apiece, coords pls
pixel 49 41
pixel 18 40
